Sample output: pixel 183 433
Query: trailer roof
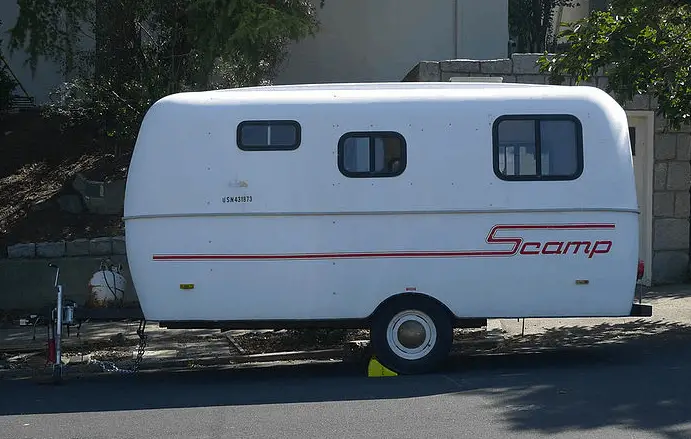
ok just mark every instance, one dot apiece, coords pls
pixel 386 91
pixel 389 86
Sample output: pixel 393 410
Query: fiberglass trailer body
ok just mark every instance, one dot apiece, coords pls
pixel 407 208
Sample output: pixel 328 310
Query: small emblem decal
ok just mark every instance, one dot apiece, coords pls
pixel 238 183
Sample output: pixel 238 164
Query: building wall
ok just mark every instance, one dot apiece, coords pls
pixel 47 74
pixel 365 40
pixel 672 156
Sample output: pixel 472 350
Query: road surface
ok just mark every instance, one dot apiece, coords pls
pixel 640 388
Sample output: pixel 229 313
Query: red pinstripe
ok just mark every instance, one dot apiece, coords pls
pixel 491 239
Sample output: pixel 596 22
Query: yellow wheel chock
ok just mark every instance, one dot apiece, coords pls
pixel 376 369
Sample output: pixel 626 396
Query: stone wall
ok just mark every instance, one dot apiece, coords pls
pixel 105 246
pixel 26 280
pixel 671 175
pixel 672 152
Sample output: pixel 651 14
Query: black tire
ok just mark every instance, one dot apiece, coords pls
pixel 436 315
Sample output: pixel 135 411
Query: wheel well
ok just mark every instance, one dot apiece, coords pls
pixel 417 296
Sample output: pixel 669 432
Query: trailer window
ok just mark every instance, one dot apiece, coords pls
pixel 268 135
pixel 546 147
pixel 371 154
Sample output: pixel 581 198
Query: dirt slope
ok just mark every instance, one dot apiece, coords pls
pixel 38 161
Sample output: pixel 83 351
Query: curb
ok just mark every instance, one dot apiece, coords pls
pixel 324 354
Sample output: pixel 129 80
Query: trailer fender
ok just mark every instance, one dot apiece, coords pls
pixel 404 296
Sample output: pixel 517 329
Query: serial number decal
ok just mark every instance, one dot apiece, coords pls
pixel 238 199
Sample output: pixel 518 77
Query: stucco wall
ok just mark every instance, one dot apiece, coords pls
pixel 365 40
pixel 672 156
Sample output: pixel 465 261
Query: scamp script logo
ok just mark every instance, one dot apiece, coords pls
pixel 523 246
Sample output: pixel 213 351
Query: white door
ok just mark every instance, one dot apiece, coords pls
pixel 640 133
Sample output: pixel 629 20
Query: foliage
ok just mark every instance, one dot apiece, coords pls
pixel 126 54
pixel 642 46
pixel 7 84
pixel 113 114
pixel 7 87
pixel 530 21
pixel 52 28
pixel 248 36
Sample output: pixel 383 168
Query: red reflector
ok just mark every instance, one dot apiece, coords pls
pixel 641 269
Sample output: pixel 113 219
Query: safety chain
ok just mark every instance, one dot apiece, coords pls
pixel 109 366
pixel 140 348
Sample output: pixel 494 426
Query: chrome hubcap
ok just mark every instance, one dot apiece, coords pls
pixel 411 334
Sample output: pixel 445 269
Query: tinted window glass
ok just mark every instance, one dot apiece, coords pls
pixel 538 148
pixel 372 154
pixel 268 135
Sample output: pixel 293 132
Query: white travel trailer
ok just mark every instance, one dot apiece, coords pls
pixel 406 208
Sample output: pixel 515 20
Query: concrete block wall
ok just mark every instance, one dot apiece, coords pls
pixel 672 153
pixel 671 210
pixel 26 280
pixel 103 246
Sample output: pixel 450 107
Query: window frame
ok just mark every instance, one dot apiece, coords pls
pixel 537 119
pixel 268 123
pixel 371 135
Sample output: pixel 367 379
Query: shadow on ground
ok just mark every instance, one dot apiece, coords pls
pixel 634 375
pixel 632 334
pixel 680 291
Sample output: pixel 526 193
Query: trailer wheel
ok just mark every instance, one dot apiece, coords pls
pixel 411 335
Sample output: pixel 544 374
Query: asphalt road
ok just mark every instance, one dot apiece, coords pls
pixel 638 389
